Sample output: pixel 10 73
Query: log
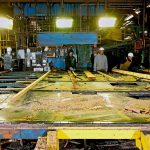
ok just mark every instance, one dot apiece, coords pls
pixel 29 87
pixel 90 76
pixel 139 75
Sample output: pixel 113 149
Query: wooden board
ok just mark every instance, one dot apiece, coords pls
pixel 24 82
pixel 107 76
pixel 139 75
pixel 90 76
pixel 147 87
pixel 146 70
pixel 3 72
pixel 74 73
pixel 73 79
pixel 29 87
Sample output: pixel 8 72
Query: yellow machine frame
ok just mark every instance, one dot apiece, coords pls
pixel 57 133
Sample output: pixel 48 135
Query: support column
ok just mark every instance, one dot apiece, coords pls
pixel 52 141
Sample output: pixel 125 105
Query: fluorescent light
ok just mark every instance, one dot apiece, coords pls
pixel 64 23
pixel 129 17
pixel 107 22
pixel 6 23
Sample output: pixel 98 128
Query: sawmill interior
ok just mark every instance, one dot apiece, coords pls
pixel 74 74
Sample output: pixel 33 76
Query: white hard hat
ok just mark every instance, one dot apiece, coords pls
pixel 9 49
pixel 145 31
pixel 46 48
pixel 28 50
pixel 130 55
pixel 101 49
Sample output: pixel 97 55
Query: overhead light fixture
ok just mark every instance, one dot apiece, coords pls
pixel 107 22
pixel 6 23
pixel 137 11
pixel 129 17
pixel 64 23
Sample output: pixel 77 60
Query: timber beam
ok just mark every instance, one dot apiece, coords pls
pixel 4 72
pixel 139 75
pixel 73 79
pixel 146 70
pixel 110 78
pixel 29 87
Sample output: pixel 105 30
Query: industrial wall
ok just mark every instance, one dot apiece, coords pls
pixel 55 9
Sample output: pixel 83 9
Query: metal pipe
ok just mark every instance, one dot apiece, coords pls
pixel 144 7
pixel 106 4
pixel 81 14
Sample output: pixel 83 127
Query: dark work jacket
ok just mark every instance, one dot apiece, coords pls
pixel 70 62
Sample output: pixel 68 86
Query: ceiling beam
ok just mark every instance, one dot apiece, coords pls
pixel 73 1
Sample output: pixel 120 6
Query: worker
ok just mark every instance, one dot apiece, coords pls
pixel 92 58
pixel 44 56
pixel 100 61
pixel 8 59
pixel 70 61
pixel 125 65
pixel 113 60
pixel 21 58
pixel 28 58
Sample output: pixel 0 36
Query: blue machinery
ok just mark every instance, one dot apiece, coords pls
pixel 66 38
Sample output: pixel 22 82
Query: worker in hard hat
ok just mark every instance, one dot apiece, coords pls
pixel 8 59
pixel 100 61
pixel 127 62
pixel 70 61
pixel 46 49
pixel 44 55
pixel 28 58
